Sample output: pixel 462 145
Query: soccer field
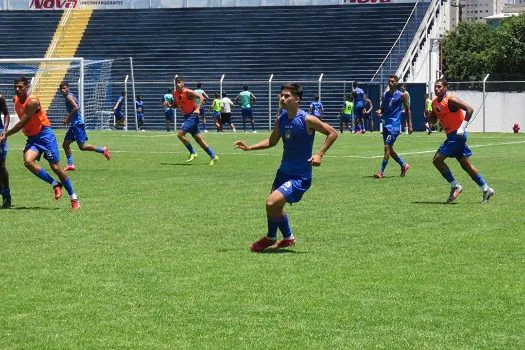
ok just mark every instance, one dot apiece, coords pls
pixel 157 257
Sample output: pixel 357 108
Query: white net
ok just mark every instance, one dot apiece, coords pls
pixel 92 88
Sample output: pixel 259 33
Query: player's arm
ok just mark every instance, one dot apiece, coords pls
pixel 264 144
pixel 116 104
pixel 205 95
pixel 254 99
pixel 74 110
pixel 459 104
pixel 315 124
pixel 194 94
pixel 404 99
pixel 31 109
pixel 322 110
pixel 381 110
pixel 432 117
pixel 5 111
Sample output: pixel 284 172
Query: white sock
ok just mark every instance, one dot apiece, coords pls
pixel 485 187
pixel 73 196
pixel 453 183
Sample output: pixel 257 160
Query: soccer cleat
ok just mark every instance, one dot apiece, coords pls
pixel 75 204
pixel 454 193
pixel 404 169
pixel 58 191
pixel 106 153
pixel 70 167
pixel 487 195
pixel 6 202
pixel 379 175
pixel 261 244
pixel 205 130
pixel 285 243
pixel 192 157
pixel 212 162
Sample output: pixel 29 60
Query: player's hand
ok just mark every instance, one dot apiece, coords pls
pixel 315 159
pixel 64 121
pixel 378 113
pixel 2 138
pixel 197 112
pixel 241 145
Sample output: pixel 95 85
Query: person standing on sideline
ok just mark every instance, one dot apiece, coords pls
pixel 77 129
pixel 40 140
pixel 426 113
pixel 199 90
pixel 391 105
pixel 359 106
pixel 169 112
pixel 139 105
pixel 404 113
pixel 118 110
pixel 226 111
pixel 247 99
pixel 316 108
pixel 185 99
pixel 448 109
pixel 297 130
pixel 216 110
pixel 345 116
pixel 368 120
pixel 4 176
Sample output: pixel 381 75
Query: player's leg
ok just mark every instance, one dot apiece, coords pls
pixel 444 170
pixel 204 145
pixel 243 120
pixel 388 140
pixel 66 181
pixel 203 119
pixel 4 178
pixel 253 125
pixel 190 125
pixel 81 138
pixel 404 165
pixel 66 145
pixel 467 165
pixel 31 154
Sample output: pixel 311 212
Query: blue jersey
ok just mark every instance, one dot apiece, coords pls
pixel 140 107
pixel 316 108
pixel 120 103
pixel 76 119
pixel 359 98
pixel 297 145
pixel 392 108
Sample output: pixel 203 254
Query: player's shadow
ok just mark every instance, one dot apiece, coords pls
pixel 30 208
pixel 279 251
pixel 433 202
pixel 177 164
pixel 375 178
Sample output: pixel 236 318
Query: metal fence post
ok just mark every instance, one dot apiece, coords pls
pixel 270 102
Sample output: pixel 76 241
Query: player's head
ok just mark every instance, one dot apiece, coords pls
pixel 64 88
pixel 316 97
pixel 403 87
pixel 426 96
pixel 224 94
pixel 170 90
pixel 21 84
pixel 392 81
pixel 440 87
pixel 179 83
pixel 199 85
pixel 123 93
pixel 217 95
pixel 245 87
pixel 355 84
pixel 291 94
pixel 349 98
pixel 139 97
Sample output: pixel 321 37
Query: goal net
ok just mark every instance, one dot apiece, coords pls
pixel 89 80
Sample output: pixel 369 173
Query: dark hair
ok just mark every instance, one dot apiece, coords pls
pixel 245 87
pixel 139 97
pixel 316 97
pixel 179 79
pixel 349 97
pixel 21 79
pixel 355 84
pixel 170 90
pixel 63 84
pixel 123 92
pixel 217 94
pixel 199 85
pixel 394 76
pixel 442 81
pixel 224 94
pixel 295 88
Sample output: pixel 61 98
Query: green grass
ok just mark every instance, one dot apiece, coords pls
pixel 158 258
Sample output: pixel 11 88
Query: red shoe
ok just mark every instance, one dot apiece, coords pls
pixel 69 168
pixel 404 170
pixel 285 243
pixel 378 175
pixel 75 204
pixel 106 153
pixel 58 191
pixel 261 244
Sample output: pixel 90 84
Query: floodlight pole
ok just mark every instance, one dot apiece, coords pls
pixel 270 102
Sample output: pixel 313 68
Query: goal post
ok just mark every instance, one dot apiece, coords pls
pixel 89 80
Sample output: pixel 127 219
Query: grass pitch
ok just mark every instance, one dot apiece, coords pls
pixel 158 258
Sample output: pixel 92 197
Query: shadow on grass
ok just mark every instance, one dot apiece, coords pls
pixel 178 164
pixel 278 251
pixel 373 177
pixel 434 202
pixel 30 208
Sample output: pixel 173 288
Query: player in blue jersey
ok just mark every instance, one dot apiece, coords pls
pixel 316 108
pixel 246 100
pixel 77 129
pixel 4 176
pixel 139 105
pixel 359 107
pixel 169 112
pixel 297 129
pixel 391 108
pixel 118 110
pixel 199 90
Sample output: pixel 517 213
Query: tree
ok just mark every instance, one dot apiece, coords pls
pixel 508 48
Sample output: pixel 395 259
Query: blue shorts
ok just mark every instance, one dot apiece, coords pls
pixel 247 113
pixel 140 116
pixel 169 114
pixel 77 133
pixel 292 187
pixel 389 137
pixel 119 115
pixel 202 112
pixel 45 143
pixel 358 111
pixel 191 124
pixel 455 147
pixel 217 115
pixel 346 117
pixel 3 149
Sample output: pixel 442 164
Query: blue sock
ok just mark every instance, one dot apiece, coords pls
pixel 399 161
pixel 448 176
pixel 69 186
pixel 479 180
pixel 6 192
pixel 383 165
pixel 284 227
pixel 272 228
pixel 69 159
pixel 210 152
pixel 42 174
pixel 253 126
pixel 189 147
pixel 99 149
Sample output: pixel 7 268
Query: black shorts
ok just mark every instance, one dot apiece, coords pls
pixel 226 118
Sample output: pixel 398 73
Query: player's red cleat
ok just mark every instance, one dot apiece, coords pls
pixel 378 175
pixel 70 167
pixel 75 204
pixel 454 193
pixel 285 243
pixel 404 170
pixel 261 244
pixel 106 153
pixel 58 191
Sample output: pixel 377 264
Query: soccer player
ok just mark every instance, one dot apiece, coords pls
pixel 391 107
pixel 40 140
pixel 426 113
pixel 4 176
pixel 77 129
pixel 368 121
pixel 247 99
pixel 226 111
pixel 345 116
pixel 297 129
pixel 118 112
pixel 169 112
pixel 216 110
pixel 185 99
pixel 316 108
pixel 139 105
pixel 359 106
pixel 404 113
pixel 199 90
pixel 448 109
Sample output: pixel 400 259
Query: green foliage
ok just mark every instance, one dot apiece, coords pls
pixel 508 51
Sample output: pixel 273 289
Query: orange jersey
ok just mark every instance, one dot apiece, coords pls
pixel 449 120
pixel 37 121
pixel 186 103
